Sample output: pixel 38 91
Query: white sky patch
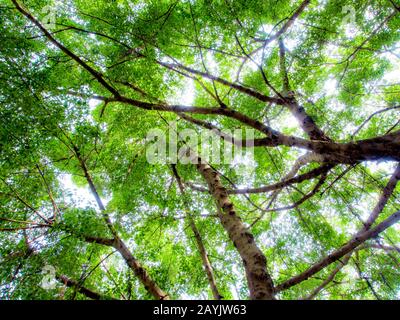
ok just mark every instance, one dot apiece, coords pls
pixel 291 44
pixel 234 289
pixel 188 93
pixel 350 31
pixel 297 31
pixel 369 14
pixel 330 87
pixel 234 292
pixel 391 53
pixel 394 59
pixel 347 129
pixel 350 271
pixel 80 196
pixel 266 29
pixel 245 165
pixel 337 105
pixel 331 216
pixel 245 159
pixel 393 76
pixel 332 51
pixel 253 65
pixel 136 7
pixel 93 103
pixel 287 121
pixel 321 4
pixel 212 65
pixel 366 203
pixel 290 121
pixel 384 166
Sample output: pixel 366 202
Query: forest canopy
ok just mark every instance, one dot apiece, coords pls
pixel 307 90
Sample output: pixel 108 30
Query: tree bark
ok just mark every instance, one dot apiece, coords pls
pixel 254 261
pixel 149 284
pixel 85 291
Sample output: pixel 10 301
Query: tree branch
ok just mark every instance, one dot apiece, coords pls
pixel 339 253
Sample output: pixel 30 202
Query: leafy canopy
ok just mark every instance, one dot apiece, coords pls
pixel 61 111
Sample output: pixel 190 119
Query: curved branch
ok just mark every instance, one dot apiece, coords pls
pixel 341 252
pixel 83 290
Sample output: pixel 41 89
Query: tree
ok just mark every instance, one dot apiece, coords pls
pixel 309 207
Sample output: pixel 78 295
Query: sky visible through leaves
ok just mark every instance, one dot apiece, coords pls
pixel 309 212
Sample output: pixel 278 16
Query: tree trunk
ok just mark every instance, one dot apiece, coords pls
pixel 254 261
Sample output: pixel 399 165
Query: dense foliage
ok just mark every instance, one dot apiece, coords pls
pixel 83 82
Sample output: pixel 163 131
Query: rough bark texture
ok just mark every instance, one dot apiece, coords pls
pixel 254 261
pixel 85 291
pixel 140 272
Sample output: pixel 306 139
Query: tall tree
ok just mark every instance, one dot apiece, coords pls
pixel 306 210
